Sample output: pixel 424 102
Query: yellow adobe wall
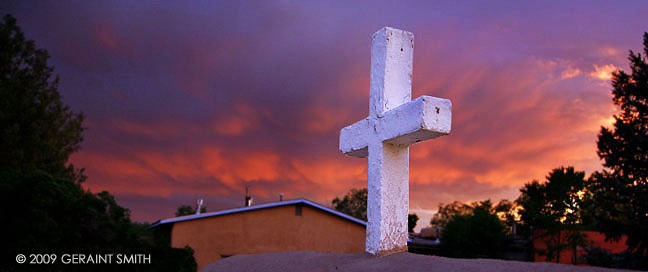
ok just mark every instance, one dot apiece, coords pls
pixel 267 230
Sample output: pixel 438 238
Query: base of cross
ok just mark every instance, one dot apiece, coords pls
pixel 383 253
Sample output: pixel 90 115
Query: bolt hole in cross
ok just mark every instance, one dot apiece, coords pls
pixel 394 123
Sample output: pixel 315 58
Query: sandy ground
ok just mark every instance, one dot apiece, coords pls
pixel 318 261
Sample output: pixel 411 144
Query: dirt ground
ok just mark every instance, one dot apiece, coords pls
pixel 318 261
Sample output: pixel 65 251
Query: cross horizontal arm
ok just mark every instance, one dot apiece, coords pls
pixel 418 120
pixel 421 119
pixel 354 139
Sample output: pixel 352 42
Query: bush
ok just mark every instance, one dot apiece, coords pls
pixel 597 256
pixel 479 234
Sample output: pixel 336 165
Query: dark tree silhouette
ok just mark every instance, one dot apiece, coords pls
pixel 478 233
pixel 447 211
pixel 554 202
pixel 354 203
pixel 189 210
pixel 412 218
pixel 555 206
pixel 37 131
pixel 621 189
pixel 41 198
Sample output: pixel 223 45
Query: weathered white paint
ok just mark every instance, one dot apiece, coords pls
pixel 393 124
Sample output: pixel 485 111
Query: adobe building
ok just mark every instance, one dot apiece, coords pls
pixel 292 225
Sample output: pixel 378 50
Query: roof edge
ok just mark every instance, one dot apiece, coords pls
pixel 257 207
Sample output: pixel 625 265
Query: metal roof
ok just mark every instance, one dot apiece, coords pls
pixel 257 207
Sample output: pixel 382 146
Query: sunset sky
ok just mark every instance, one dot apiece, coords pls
pixel 195 99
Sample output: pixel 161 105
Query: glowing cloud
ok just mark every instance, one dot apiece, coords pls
pixel 603 72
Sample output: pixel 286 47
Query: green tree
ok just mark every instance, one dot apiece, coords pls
pixel 412 218
pixel 354 203
pixel 189 210
pixel 37 131
pixel 621 190
pixel 478 233
pixel 554 206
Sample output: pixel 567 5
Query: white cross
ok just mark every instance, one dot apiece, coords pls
pixel 394 123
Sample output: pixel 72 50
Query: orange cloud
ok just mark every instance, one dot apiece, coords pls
pixel 212 162
pixel 242 120
pixel 322 120
pixel 609 51
pixel 570 72
pixel 338 172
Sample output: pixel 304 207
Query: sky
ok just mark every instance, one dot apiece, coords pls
pixel 197 99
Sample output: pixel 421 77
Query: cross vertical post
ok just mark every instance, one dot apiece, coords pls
pixel 394 123
pixel 390 87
